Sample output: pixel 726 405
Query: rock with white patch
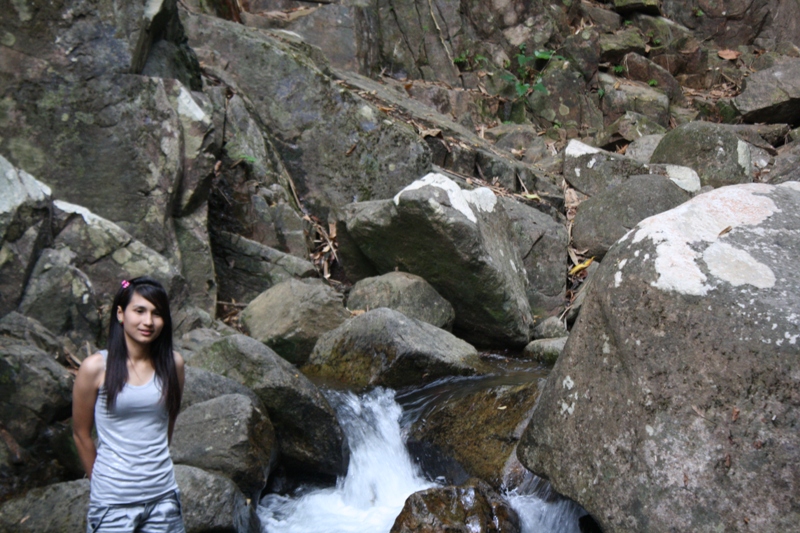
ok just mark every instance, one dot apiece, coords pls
pixel 25 206
pixel 683 368
pixel 592 171
pixel 457 240
pixel 718 155
pixel 603 219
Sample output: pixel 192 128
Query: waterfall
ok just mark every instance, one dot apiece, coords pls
pixel 380 477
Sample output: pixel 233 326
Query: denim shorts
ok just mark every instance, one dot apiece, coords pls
pixel 163 515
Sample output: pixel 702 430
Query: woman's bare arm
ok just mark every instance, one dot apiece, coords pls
pixel 179 368
pixel 84 394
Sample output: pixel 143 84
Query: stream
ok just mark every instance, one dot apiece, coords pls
pixel 382 473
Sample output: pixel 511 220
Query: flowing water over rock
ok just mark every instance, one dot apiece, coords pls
pixel 382 474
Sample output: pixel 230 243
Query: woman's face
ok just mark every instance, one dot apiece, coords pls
pixel 141 320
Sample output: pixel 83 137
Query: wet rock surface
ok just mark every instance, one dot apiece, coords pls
pixel 473 506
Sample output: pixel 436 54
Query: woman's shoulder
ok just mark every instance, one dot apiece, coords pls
pixel 95 364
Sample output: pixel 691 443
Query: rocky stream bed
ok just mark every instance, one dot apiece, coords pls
pixel 435 265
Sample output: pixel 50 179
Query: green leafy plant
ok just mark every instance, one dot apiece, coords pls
pixel 619 69
pixel 652 83
pixel 461 59
pixel 657 41
pixel 628 22
pixel 601 92
pixel 698 12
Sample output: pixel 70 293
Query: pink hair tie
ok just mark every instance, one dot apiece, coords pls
pixel 125 283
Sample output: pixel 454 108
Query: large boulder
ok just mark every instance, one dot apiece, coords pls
pixel 308 433
pixel 212 503
pixel 57 508
pixel 24 229
pixel 603 219
pixel 132 170
pixel 229 435
pixel 61 297
pixel 384 347
pixel 36 389
pixel 591 171
pixel 542 243
pixel 201 385
pixel 290 316
pixel 114 39
pixel 772 95
pixel 405 293
pixel 479 427
pixel 246 268
pixel 714 151
pixel 469 508
pixel 459 241
pixel 368 157
pixel 675 402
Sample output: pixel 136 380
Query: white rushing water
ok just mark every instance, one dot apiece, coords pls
pixel 380 477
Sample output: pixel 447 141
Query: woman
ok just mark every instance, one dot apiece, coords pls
pixel 131 394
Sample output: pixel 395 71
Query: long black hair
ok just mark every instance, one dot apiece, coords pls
pixel 160 349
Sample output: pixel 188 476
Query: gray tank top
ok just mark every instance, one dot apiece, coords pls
pixel 133 463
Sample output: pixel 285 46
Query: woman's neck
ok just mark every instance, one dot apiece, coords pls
pixel 137 352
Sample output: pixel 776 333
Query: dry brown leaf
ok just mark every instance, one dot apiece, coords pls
pixel 735 415
pixel 729 54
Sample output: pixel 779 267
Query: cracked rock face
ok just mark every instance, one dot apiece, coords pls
pixel 679 380
pixel 458 241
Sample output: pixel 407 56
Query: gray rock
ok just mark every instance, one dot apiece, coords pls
pixel 202 385
pixel 24 211
pixel 470 508
pixel 673 369
pixel 229 435
pixel 458 241
pixel 628 127
pixel 592 171
pixel 642 149
pixel 546 351
pixel 213 503
pixel 197 264
pixel 62 297
pixel 405 293
pixel 714 151
pixel 57 508
pixel 36 390
pixel 277 77
pixel 565 101
pixel 603 219
pixel 621 95
pixel 787 164
pixel 614 46
pixel 290 316
pixel 384 347
pixel 134 135
pixel 305 425
pixel 640 68
pixel 550 328
pixel 541 242
pixel 246 268
pixel 194 112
